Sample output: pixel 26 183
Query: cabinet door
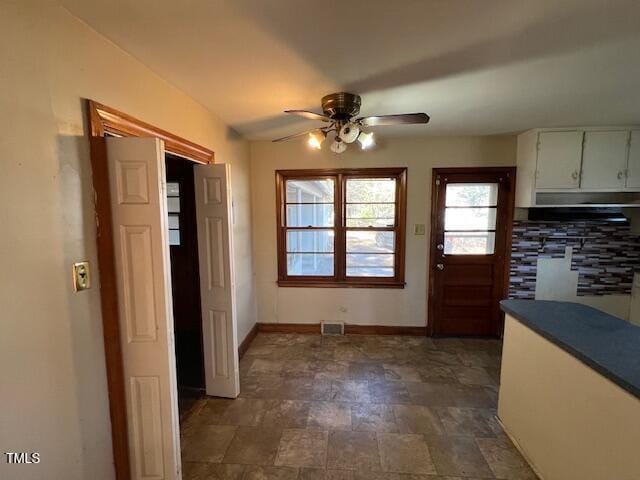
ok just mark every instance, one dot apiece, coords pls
pixel 604 159
pixel 633 179
pixel 559 157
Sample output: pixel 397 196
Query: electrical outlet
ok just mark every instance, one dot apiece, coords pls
pixel 81 276
pixel 418 229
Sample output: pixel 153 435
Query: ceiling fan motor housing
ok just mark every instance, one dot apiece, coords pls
pixel 341 106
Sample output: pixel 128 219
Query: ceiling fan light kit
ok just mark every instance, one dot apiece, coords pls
pixel 349 132
pixel 338 146
pixel 340 111
pixel 316 138
pixel 366 140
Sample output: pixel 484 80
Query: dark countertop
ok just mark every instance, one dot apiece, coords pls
pixel 608 344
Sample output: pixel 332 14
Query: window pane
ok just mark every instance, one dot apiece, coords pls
pixel 472 195
pixel 319 264
pixel 318 215
pixel 368 241
pixel 369 265
pixel 173 189
pixel 371 214
pixel 470 218
pixel 469 243
pixel 310 191
pixel 310 240
pixel 174 237
pixel 174 221
pixel 371 190
pixel 173 204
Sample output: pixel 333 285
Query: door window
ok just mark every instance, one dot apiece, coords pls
pixel 173 207
pixel 470 218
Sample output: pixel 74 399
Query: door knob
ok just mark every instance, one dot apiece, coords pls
pixel 440 266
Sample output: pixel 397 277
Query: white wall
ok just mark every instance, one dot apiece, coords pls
pixel 405 307
pixel 53 393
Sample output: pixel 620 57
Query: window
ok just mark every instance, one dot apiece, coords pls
pixel 173 209
pixel 470 218
pixel 341 227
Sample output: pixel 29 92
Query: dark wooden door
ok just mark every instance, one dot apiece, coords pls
pixel 185 277
pixel 471 218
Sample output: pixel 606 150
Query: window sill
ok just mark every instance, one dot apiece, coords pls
pixel 343 284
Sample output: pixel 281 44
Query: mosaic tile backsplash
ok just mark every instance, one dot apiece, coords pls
pixel 606 255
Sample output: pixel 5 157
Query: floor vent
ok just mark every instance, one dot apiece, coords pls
pixel 332 328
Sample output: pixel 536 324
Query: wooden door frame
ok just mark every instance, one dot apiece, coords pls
pixel 510 205
pixel 103 120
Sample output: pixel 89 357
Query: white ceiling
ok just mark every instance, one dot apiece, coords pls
pixel 476 66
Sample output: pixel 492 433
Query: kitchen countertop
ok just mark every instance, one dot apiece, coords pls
pixel 608 344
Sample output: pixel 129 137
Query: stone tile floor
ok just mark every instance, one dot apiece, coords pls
pixel 356 408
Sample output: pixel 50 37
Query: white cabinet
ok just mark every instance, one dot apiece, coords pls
pixel 633 167
pixel 559 157
pixel 578 166
pixel 604 159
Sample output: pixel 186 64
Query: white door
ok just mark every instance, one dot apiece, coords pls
pixel 559 157
pixel 633 179
pixel 604 159
pixel 139 210
pixel 215 251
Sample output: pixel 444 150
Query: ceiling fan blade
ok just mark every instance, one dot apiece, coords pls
pixel 289 137
pixel 309 115
pixel 400 119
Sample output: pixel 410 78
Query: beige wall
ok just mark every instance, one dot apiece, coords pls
pixel 405 307
pixel 570 422
pixel 53 396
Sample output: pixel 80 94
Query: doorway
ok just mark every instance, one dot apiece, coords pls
pixel 128 160
pixel 185 281
pixel 471 220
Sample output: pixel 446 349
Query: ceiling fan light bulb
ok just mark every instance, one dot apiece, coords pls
pixel 349 132
pixel 315 139
pixel 366 140
pixel 338 146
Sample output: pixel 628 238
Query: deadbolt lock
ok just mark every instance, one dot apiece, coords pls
pixel 81 277
pixel 440 246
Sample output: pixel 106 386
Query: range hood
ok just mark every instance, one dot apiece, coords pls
pixel 568 214
pixel 587 199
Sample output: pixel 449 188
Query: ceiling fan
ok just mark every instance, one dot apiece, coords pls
pixel 340 115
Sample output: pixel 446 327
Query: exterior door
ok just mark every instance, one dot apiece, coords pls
pixel 472 212
pixel 217 282
pixel 141 249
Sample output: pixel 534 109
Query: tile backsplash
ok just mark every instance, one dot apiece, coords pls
pixel 605 254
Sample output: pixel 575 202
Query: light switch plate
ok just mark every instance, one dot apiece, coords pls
pixel 81 276
pixel 418 229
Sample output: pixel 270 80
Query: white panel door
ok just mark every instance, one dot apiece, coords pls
pixel 559 157
pixel 604 159
pixel 217 282
pixel 633 178
pixel 138 203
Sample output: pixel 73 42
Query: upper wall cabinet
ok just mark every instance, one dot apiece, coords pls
pixel 578 166
pixel 604 159
pixel 633 169
pixel 559 159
